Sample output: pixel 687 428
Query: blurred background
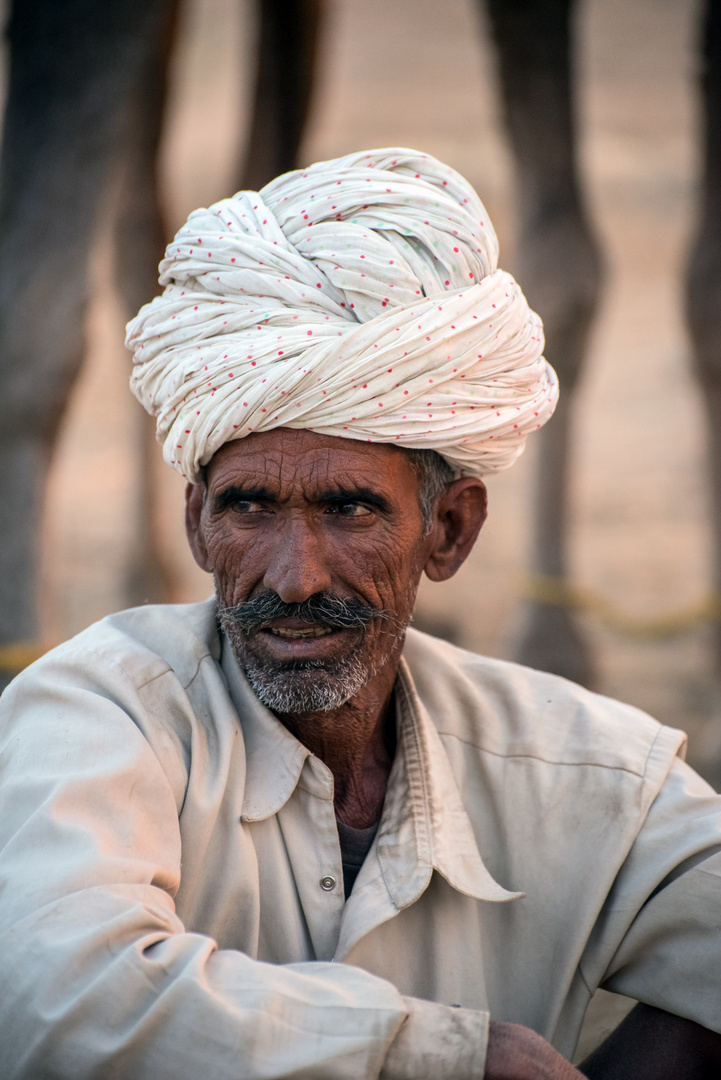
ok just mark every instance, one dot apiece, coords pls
pixel 422 73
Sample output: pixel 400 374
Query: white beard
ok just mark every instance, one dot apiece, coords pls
pixel 308 690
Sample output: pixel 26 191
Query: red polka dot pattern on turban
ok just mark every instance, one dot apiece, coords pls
pixel 360 298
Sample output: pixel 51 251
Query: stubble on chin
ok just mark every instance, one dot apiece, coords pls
pixel 305 686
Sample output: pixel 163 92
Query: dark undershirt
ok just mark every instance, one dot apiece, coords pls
pixel 354 846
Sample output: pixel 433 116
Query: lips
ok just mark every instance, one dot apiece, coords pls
pixel 306 632
pixel 298 639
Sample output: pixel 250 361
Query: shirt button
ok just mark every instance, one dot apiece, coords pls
pixel 327 883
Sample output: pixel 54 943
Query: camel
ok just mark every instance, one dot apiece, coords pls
pixel 558 258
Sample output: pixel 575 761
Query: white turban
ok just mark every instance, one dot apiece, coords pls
pixel 358 298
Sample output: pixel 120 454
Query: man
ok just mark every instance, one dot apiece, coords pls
pixel 275 835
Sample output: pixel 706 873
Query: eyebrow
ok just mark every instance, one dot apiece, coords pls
pixel 335 495
pixel 239 493
pixel 341 494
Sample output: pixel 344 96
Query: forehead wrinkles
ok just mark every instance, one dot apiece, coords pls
pixel 291 462
pixel 320 470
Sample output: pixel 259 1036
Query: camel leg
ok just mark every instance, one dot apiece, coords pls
pixel 71 66
pixel 288 38
pixel 141 235
pixel 559 264
pixel 703 277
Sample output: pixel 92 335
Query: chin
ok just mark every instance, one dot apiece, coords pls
pixel 307 690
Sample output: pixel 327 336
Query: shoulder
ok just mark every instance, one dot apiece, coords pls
pixel 138 645
pixel 509 711
pixel 155 666
pixel 142 678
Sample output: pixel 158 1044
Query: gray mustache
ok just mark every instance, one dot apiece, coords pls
pixel 321 608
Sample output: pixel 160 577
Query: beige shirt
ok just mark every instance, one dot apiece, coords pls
pixel 171 898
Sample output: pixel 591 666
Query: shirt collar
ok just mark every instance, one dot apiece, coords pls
pixel 424 826
pixel 423 804
pixel 274 757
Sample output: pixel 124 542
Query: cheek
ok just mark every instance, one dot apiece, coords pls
pixel 388 572
pixel 235 565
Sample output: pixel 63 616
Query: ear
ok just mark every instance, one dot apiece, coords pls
pixel 194 500
pixel 460 513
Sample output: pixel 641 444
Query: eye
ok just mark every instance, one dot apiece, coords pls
pixel 247 506
pixel 349 509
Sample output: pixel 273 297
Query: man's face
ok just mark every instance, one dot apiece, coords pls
pixel 289 516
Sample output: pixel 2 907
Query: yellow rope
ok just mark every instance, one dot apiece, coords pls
pixel 16 655
pixel 549 590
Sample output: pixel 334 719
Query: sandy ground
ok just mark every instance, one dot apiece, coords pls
pixel 421 73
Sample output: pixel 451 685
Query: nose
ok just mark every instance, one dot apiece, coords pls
pixel 298 565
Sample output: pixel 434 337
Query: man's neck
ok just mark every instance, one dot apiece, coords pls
pixel 357 743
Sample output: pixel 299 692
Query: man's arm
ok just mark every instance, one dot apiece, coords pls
pixel 666 905
pixel 100 974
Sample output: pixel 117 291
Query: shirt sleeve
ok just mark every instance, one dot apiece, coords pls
pixel 100 976
pixel 663 915
pixel 438 1041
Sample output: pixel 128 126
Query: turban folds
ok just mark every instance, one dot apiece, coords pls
pixel 359 298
